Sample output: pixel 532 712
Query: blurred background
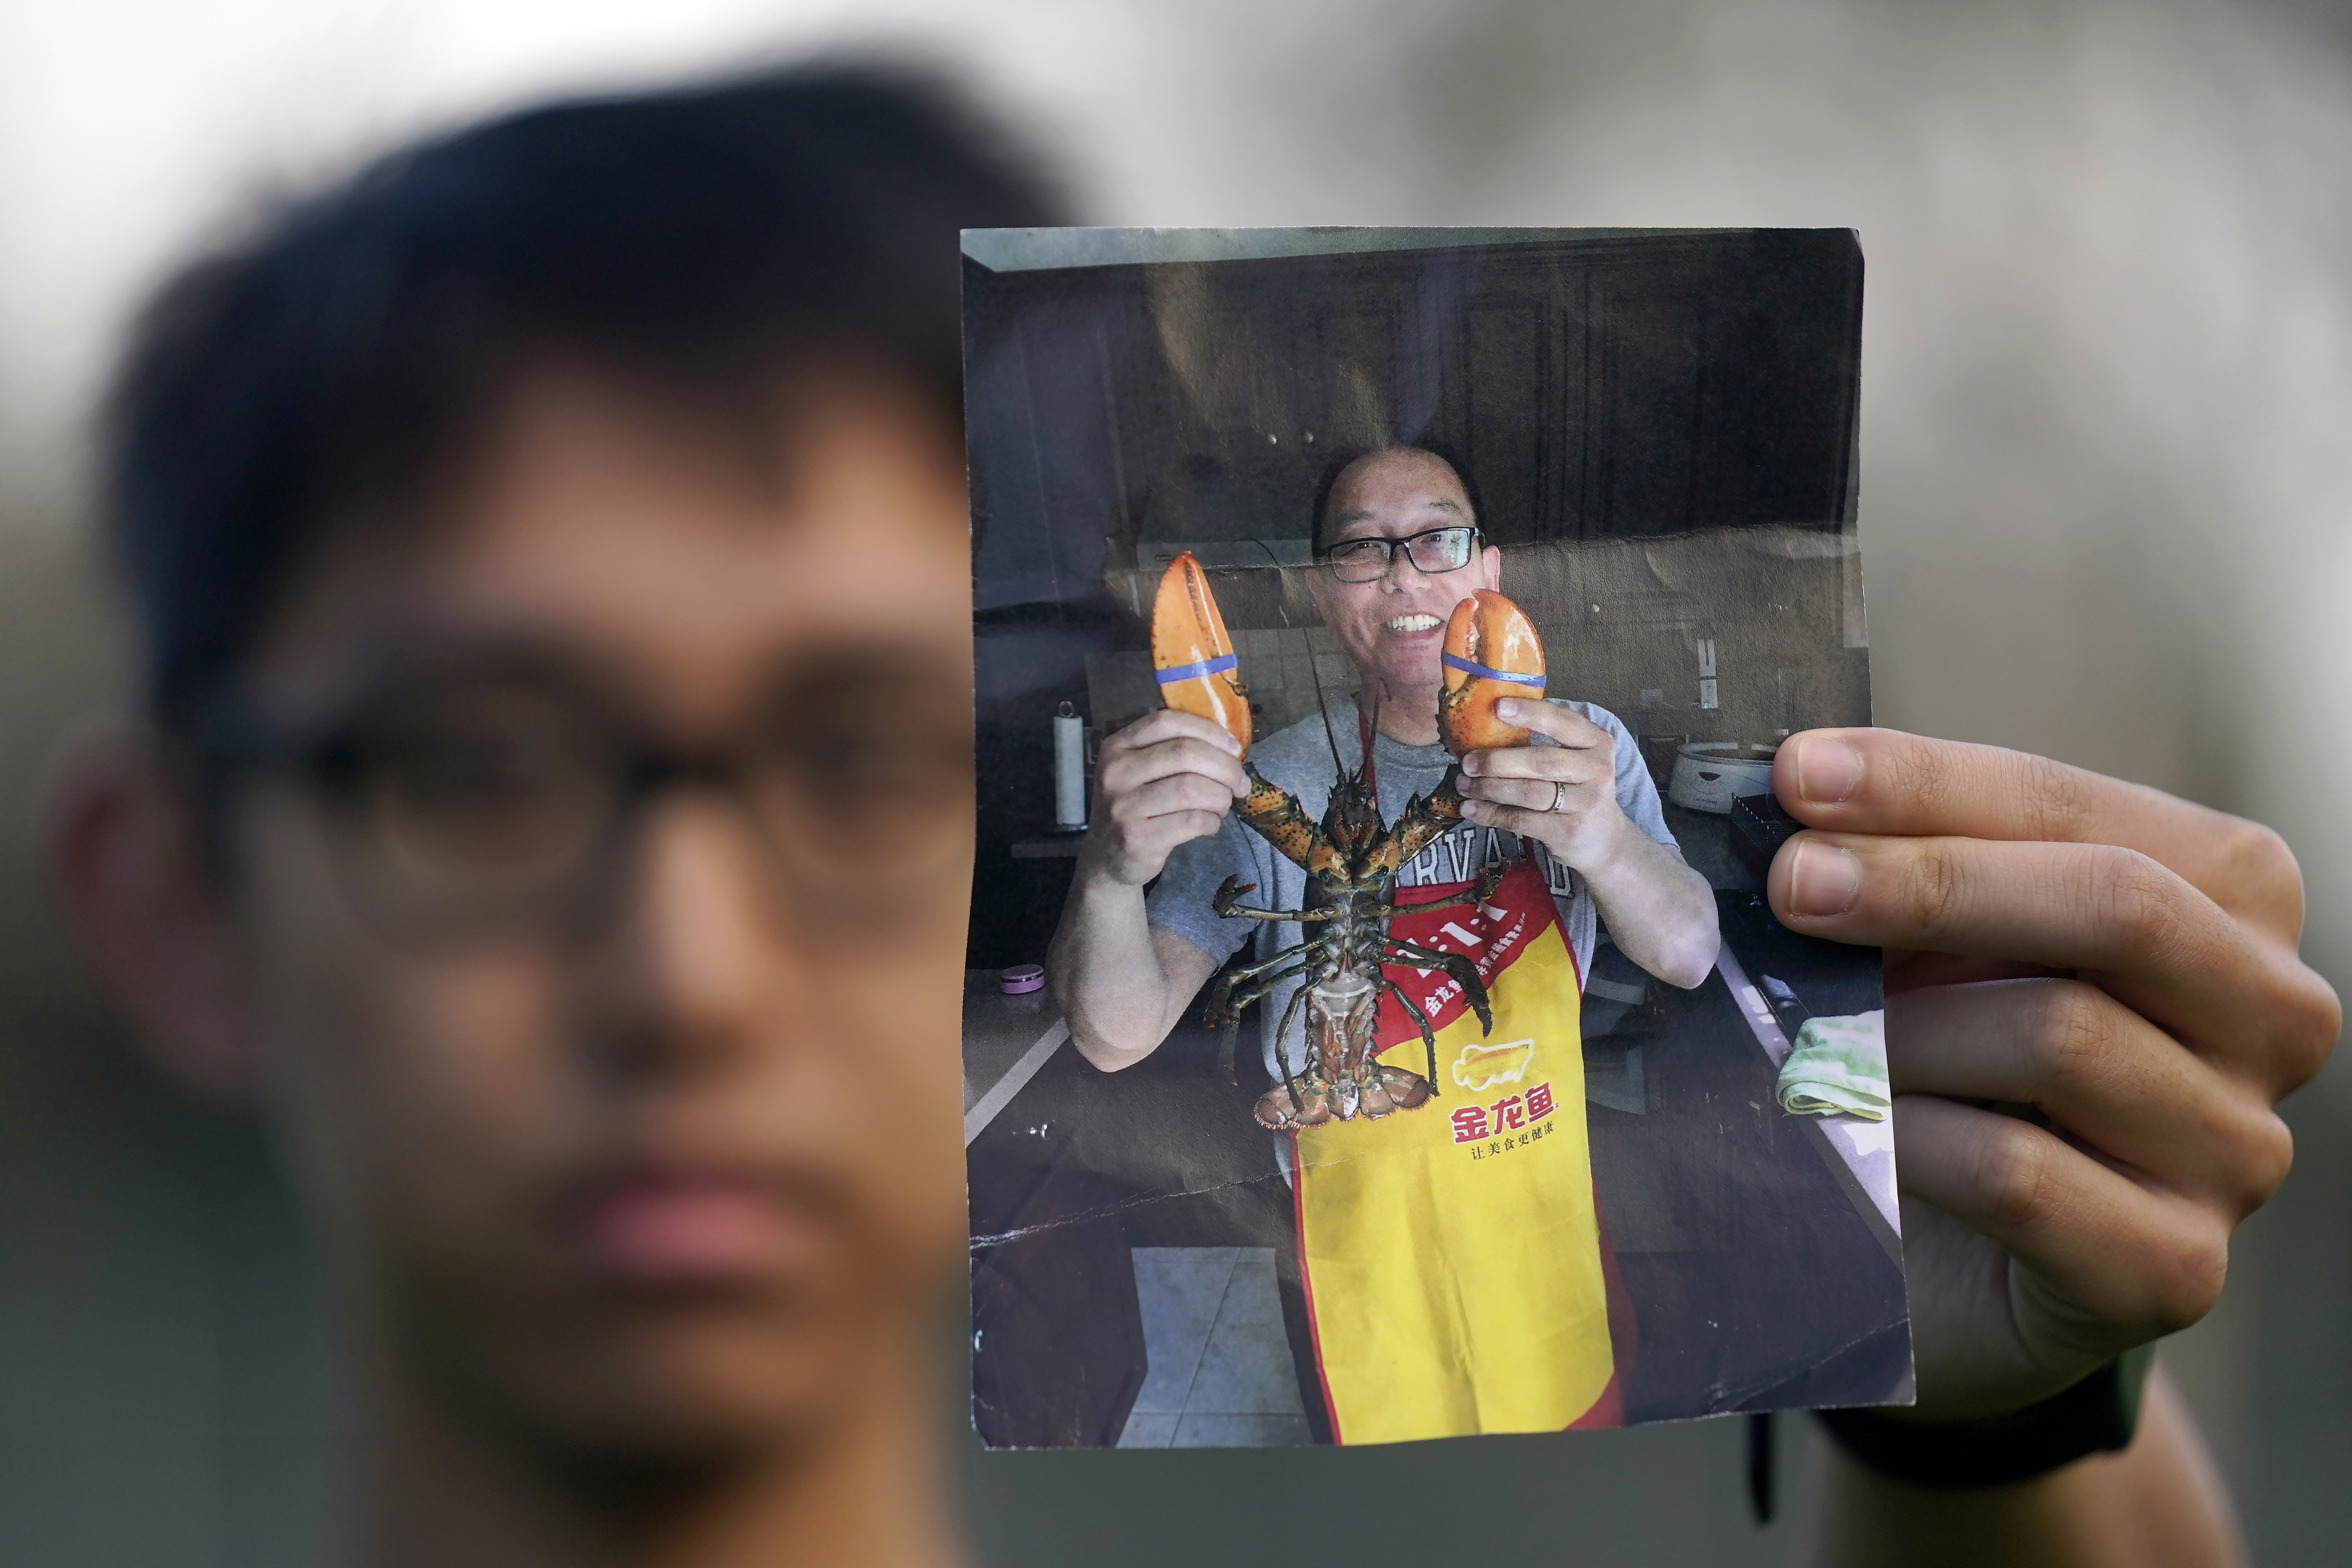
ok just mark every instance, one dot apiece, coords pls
pixel 2107 485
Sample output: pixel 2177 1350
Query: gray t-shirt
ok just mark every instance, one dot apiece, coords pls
pixel 1299 759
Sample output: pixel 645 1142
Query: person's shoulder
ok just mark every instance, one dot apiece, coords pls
pixel 1598 715
pixel 1199 864
pixel 1300 737
pixel 1636 792
pixel 1299 754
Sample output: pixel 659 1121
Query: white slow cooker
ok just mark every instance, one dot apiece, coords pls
pixel 1710 775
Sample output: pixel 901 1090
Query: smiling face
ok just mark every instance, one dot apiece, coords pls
pixel 666 1176
pixel 1394 626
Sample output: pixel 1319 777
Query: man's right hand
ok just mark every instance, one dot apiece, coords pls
pixel 1164 780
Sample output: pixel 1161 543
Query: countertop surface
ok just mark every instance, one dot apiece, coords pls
pixel 1005 1040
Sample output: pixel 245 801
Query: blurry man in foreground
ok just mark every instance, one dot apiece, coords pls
pixel 555 817
pixel 551 551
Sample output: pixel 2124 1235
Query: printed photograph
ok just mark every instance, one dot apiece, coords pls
pixel 1374 1026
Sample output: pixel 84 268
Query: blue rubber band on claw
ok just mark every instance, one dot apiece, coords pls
pixel 1217 666
pixel 1455 661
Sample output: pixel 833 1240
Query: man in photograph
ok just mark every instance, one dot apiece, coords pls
pixel 1397 547
pixel 1401 1346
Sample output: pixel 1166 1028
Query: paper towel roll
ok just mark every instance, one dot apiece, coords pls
pixel 1069 769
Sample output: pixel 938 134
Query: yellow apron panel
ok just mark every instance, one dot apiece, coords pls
pixel 1451 1253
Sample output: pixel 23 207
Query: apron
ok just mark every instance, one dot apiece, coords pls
pixel 1451 1254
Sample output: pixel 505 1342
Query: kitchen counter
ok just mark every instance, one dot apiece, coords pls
pixel 1005 1040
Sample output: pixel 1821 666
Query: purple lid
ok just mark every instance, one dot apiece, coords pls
pixel 1020 978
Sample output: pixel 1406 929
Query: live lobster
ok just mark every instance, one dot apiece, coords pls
pixel 1350 858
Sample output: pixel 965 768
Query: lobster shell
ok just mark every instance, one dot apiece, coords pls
pixel 1491 652
pixel 1191 656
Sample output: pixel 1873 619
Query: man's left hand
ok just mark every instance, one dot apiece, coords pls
pixel 2093 1000
pixel 1563 796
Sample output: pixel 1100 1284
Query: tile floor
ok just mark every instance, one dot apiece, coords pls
pixel 1220 1372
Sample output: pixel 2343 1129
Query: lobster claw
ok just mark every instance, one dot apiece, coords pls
pixel 1191 656
pixel 1492 652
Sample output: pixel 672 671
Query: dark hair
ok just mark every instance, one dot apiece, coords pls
pixel 343 355
pixel 1349 457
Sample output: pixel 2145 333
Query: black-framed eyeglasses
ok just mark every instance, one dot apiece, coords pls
pixel 1369 559
pixel 484 805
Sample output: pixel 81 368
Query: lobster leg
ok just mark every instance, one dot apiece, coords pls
pixel 1281 821
pixel 1248 971
pixel 1477 893
pixel 1428 1040
pixel 1424 818
pixel 1282 1049
pixel 1233 888
pixel 1464 972
pixel 1250 994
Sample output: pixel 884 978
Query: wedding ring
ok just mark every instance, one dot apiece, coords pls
pixel 1558 795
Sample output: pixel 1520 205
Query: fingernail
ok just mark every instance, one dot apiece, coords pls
pixel 1828 771
pixel 1823 879
pixel 1470 811
pixel 1509 708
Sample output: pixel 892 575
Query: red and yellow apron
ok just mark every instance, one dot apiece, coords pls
pixel 1451 1254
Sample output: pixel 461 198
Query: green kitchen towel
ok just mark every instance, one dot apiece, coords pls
pixel 1837 1069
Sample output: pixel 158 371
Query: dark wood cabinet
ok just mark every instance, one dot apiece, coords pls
pixel 1593 388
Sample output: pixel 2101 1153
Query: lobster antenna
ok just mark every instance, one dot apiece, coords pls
pixel 1339 768
pixel 1323 707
